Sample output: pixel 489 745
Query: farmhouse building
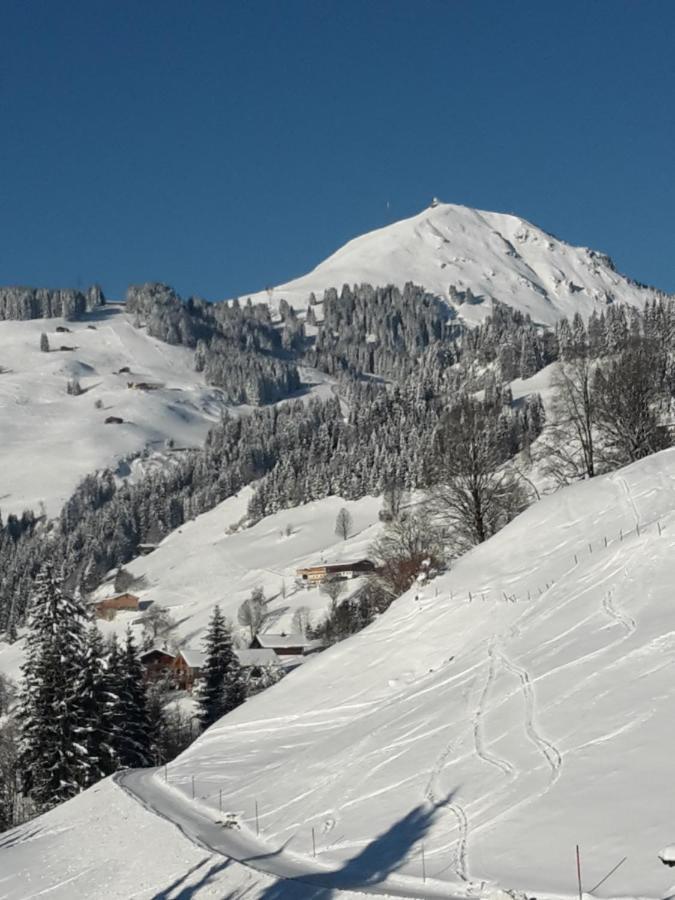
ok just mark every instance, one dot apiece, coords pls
pixel 157 663
pixel 187 666
pixel 108 608
pixel 317 574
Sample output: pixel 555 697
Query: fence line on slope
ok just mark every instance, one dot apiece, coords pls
pixel 604 543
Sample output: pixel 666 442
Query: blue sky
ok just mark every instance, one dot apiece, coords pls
pixel 225 146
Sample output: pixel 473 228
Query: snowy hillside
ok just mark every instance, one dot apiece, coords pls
pixel 50 439
pixel 514 707
pixel 496 256
pixel 537 713
pixel 201 564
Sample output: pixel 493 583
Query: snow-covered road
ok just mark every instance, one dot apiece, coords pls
pixel 297 876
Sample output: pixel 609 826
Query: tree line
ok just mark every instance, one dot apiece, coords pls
pixel 22 303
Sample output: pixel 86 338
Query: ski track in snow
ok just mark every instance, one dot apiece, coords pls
pixel 548 750
pixel 461 854
pixel 625 621
pixel 460 865
pixel 501 764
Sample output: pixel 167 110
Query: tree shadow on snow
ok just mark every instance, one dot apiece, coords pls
pixel 179 890
pixel 383 856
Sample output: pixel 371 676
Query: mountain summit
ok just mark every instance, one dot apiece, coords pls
pixel 470 258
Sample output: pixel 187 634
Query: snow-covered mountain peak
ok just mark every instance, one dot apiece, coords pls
pixel 471 258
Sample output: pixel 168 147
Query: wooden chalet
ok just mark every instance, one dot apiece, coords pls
pixel 157 663
pixel 187 666
pixel 108 608
pixel 316 574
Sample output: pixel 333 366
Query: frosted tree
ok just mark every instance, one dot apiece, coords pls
pixel 251 613
pixel 9 776
pixel 528 357
pixel 7 694
pixel 53 759
pixel 132 739
pixel 95 726
pixel 221 687
pixel 44 343
pixel 343 523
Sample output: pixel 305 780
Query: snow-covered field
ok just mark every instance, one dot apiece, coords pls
pixel 499 257
pixel 49 440
pixel 514 707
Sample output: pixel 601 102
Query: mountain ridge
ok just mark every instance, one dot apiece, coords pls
pixel 448 249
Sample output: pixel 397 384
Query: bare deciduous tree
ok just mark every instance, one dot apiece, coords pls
pixel 474 495
pixel 627 392
pixel 392 498
pixel 301 620
pixel 343 523
pixel 251 613
pixel 158 623
pixel 333 588
pixel 569 443
pixel 402 549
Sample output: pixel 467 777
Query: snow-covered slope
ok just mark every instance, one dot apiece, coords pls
pixel 203 563
pixel 104 846
pixel 499 257
pixel 514 707
pixel 49 440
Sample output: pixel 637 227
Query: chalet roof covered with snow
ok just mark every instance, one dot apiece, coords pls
pixel 195 659
pixel 250 658
pixel 273 641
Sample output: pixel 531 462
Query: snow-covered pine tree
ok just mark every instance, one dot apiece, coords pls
pixel 132 738
pixel 54 763
pixel 222 686
pixel 157 724
pixel 95 729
